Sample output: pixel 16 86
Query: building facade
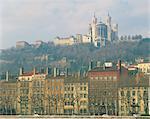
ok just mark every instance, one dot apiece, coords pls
pixel 8 97
pixel 103 88
pixel 22 44
pixel 65 41
pixel 103 92
pixel 54 95
pixel 134 96
pixel 31 92
pixel 76 95
pixel 111 90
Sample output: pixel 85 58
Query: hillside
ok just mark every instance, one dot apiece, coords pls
pixel 75 56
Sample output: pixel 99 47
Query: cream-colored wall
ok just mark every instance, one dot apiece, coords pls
pixel 123 100
pixel 64 41
pixel 145 67
pixel 76 95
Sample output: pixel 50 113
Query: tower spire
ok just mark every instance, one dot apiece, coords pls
pixel 108 13
pixel 94 15
pixel 94 19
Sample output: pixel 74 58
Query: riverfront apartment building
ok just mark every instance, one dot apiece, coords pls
pixel 76 95
pixel 111 89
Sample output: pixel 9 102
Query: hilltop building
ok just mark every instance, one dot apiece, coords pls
pixel 130 38
pixel 22 44
pixel 101 32
pixel 65 41
pixel 38 43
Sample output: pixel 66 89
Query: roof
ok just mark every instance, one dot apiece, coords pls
pixel 57 77
pixel 9 81
pixel 73 79
pixel 144 63
pixel 22 42
pixel 139 80
pixel 29 73
pixel 101 69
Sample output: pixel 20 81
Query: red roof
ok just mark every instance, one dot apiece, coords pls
pixel 28 73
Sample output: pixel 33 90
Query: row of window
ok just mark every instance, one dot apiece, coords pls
pixel 56 80
pixel 38 84
pixel 73 96
pixel 72 88
pixel 81 84
pixel 9 92
pixel 105 78
pixel 133 93
pixel 72 103
pixel 55 88
pixel 24 84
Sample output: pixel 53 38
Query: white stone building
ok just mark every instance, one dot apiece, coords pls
pixel 65 41
pixel 101 32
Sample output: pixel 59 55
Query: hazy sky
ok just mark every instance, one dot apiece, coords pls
pixel 32 20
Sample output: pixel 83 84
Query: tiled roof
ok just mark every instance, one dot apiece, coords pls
pixel 132 81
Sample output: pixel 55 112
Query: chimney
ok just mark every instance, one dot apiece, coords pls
pixel 98 63
pixel 55 72
pixel 119 66
pixel 104 67
pixel 47 70
pixel 79 73
pixel 42 70
pixel 66 73
pixel 21 71
pixel 7 76
pixel 58 72
pixel 34 71
pixel 90 65
pixel 84 73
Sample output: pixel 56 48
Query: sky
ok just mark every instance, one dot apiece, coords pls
pixel 31 20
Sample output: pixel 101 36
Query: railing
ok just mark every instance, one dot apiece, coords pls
pixel 73 117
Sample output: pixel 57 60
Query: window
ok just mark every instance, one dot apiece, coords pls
pixel 100 78
pixel 110 77
pixel 114 78
pixel 133 93
pixel 122 93
pixel 91 77
pixel 61 87
pixel 85 95
pixel 96 78
pixel 122 108
pixel 84 88
pixel 128 93
pixel 52 87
